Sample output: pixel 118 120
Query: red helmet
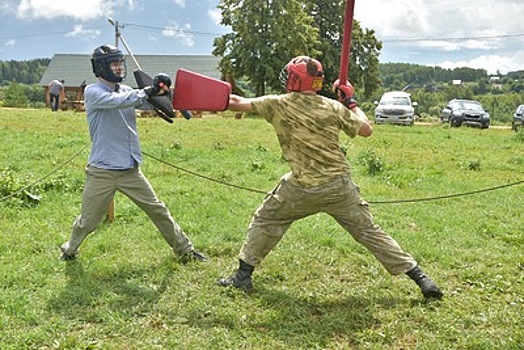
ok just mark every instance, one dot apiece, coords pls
pixel 302 73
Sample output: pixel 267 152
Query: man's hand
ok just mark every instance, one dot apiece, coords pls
pixel 161 84
pixel 346 94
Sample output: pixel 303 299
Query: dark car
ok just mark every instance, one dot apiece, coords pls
pixel 518 118
pixel 465 112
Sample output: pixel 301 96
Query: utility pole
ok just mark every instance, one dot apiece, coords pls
pixel 117 29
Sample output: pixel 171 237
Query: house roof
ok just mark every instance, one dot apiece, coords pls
pixel 75 68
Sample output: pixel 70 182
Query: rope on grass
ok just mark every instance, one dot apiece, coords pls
pixel 204 176
pixel 463 194
pixel 45 176
pixel 412 200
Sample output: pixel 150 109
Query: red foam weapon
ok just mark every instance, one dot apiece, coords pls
pixel 197 92
pixel 345 54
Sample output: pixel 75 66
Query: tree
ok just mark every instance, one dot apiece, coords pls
pixel 26 72
pixel 266 34
pixel 458 91
pixel 365 48
pixel 14 96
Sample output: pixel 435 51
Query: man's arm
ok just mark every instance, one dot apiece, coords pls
pixel 346 96
pixel 238 103
pixel 365 130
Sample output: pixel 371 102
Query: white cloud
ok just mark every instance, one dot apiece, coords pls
pixel 84 10
pixel 181 3
pixel 480 33
pixel 10 42
pixel 80 32
pixel 444 18
pixel 457 45
pixel 180 34
pixel 215 15
pixel 491 63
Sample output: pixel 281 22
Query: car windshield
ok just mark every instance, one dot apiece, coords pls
pixel 469 105
pixel 396 101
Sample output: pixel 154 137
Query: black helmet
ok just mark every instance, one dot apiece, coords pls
pixel 101 60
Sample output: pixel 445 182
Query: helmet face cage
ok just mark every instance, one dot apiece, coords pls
pixel 302 73
pixel 283 77
pixel 102 60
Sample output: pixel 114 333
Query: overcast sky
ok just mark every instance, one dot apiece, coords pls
pixel 484 34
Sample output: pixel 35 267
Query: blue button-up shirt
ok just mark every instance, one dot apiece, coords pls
pixel 112 125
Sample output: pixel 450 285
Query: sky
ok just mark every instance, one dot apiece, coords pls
pixel 483 34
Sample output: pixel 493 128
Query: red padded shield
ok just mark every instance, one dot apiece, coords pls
pixel 197 92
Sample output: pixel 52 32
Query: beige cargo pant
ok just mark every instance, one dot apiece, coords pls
pixel 99 189
pixel 340 199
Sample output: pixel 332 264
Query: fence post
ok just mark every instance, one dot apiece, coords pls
pixel 110 216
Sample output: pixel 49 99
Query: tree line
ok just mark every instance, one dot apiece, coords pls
pixel 431 87
pixel 20 83
pixel 23 72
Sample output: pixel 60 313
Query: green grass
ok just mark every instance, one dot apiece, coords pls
pixel 317 290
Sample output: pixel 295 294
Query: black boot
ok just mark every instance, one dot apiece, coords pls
pixel 427 286
pixel 241 279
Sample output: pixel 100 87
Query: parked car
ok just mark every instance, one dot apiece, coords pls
pixel 465 112
pixel 395 107
pixel 518 118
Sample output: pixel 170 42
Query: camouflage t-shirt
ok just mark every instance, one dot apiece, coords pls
pixel 308 128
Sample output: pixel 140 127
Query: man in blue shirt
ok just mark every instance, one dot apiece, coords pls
pixel 115 158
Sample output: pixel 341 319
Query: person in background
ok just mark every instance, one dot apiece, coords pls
pixel 308 127
pixel 115 157
pixel 82 89
pixel 56 88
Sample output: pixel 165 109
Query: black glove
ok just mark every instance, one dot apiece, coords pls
pixel 159 81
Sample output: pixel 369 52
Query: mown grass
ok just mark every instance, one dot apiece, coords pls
pixel 317 290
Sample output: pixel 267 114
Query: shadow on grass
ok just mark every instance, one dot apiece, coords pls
pixel 301 321
pixel 93 296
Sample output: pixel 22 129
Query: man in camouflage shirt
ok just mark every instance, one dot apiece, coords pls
pixel 308 127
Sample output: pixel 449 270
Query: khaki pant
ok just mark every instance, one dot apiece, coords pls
pixel 99 189
pixel 340 199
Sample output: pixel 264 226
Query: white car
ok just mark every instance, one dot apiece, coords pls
pixel 395 107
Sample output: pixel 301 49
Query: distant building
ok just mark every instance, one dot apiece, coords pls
pixel 75 70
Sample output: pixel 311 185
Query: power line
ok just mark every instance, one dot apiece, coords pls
pixel 486 37
pixel 181 31
pixel 195 32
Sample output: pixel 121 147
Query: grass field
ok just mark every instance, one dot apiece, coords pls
pixel 318 289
